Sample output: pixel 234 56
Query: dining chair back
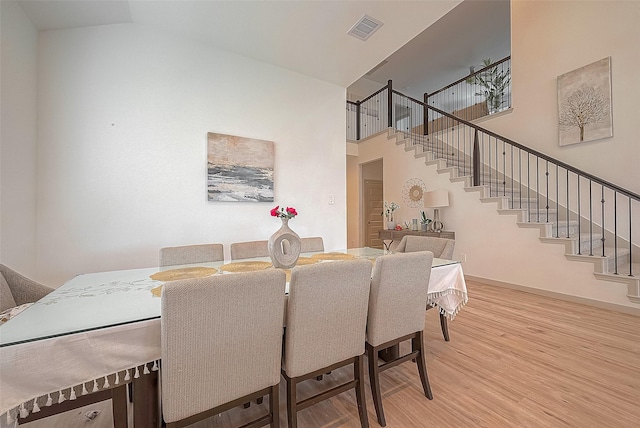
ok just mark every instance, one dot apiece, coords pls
pixel 307 245
pixel 16 290
pixel 249 249
pixel 321 338
pixel 185 254
pixel 221 340
pixel 442 248
pixel 397 300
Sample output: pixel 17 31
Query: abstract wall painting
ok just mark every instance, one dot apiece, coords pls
pixel 239 169
pixel 584 103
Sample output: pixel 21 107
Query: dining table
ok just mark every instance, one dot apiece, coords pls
pixel 102 324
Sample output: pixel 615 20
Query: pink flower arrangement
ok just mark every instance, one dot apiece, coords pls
pixel 289 212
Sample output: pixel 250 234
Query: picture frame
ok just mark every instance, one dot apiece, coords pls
pixel 239 169
pixel 585 104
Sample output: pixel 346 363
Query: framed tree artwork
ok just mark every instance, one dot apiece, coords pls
pixel 584 104
pixel 239 169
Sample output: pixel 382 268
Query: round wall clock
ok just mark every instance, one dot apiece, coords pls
pixel 412 192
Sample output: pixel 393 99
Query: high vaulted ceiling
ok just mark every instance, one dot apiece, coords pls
pixel 422 45
pixel 471 32
pixel 309 37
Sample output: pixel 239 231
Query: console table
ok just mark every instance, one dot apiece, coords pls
pixel 393 235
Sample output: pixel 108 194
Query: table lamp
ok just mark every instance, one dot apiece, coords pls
pixel 436 199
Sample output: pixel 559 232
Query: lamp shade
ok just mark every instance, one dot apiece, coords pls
pixel 436 198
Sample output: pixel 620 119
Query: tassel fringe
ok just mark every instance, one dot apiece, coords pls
pixel 31 406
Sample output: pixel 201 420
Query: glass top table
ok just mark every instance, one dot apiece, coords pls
pixel 107 299
pixel 100 324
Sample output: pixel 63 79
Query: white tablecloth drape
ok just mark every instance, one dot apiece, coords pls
pixel 447 289
pixel 47 366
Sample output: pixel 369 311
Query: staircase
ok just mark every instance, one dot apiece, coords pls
pixel 596 221
pixel 534 205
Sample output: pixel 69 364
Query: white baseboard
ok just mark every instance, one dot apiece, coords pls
pixel 555 295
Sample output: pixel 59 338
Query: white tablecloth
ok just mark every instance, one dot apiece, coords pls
pixel 46 366
pixel 447 289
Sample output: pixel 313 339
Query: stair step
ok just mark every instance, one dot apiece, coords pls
pixel 588 244
pixel 559 229
pixel 591 244
pixel 623 270
pixel 540 215
pixel 521 203
pixel 623 258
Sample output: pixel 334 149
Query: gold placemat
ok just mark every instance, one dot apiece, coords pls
pixel 305 261
pixel 183 273
pixel 157 291
pixel 245 266
pixel 333 256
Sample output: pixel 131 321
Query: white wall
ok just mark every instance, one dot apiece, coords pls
pixel 18 140
pixel 124 113
pixel 554 37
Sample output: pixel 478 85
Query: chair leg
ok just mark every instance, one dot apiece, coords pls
pixel 292 417
pixel 445 327
pixel 274 406
pixel 416 344
pixel 358 374
pixel 119 406
pixel 374 380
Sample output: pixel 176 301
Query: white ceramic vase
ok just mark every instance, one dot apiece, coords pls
pixel 390 223
pixel 276 251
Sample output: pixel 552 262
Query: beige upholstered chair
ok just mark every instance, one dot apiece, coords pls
pixel 186 254
pixel 221 345
pixel 249 249
pixel 307 245
pixel 323 337
pixel 396 313
pixel 441 248
pixel 16 290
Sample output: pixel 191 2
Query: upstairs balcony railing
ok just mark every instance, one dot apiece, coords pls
pixel 483 92
pixel 602 216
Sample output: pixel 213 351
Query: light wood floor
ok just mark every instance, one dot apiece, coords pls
pixel 515 360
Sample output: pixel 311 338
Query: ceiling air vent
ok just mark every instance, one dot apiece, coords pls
pixel 365 27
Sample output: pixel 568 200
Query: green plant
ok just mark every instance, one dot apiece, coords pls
pixel 493 83
pixel 424 219
pixel 389 208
